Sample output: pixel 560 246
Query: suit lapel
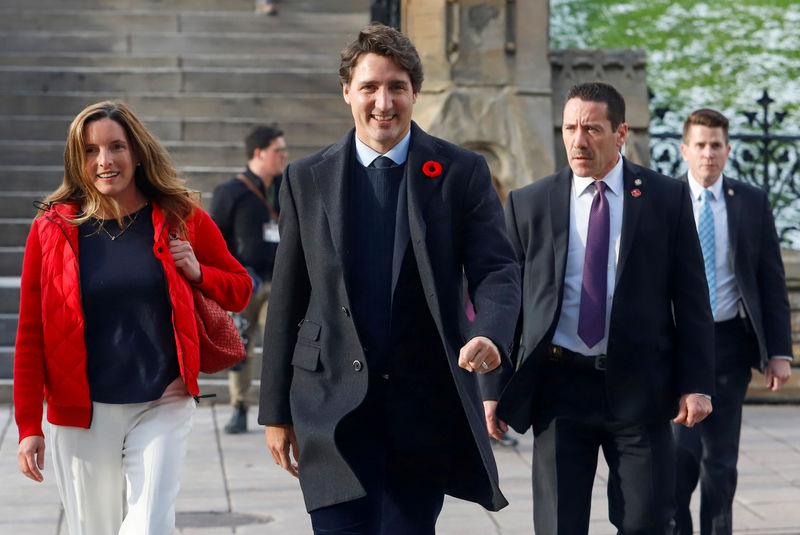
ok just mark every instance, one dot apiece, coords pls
pixel 733 210
pixel 418 192
pixel 559 222
pixel 401 231
pixel 631 209
pixel 331 177
pixel 420 187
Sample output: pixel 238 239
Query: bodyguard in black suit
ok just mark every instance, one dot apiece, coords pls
pixel 751 311
pixel 371 365
pixel 615 326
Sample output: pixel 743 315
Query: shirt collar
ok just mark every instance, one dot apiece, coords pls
pixel 613 180
pixel 697 189
pixel 399 153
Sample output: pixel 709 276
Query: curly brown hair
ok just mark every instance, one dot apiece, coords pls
pixel 384 41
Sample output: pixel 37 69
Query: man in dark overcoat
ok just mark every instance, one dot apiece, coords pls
pixel 371 367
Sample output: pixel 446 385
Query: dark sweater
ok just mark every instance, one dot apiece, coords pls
pixel 130 343
pixel 372 208
pixel 241 216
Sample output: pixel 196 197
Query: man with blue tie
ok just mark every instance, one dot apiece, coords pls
pixel 747 291
pixel 615 331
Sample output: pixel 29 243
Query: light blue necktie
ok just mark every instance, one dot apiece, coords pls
pixel 705 230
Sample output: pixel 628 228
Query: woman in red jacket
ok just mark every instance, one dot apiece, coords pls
pixel 107 333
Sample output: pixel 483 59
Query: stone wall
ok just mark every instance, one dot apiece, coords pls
pixel 487 81
pixel 625 70
pixel 492 84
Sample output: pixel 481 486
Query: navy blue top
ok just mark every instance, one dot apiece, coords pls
pixel 372 206
pixel 130 344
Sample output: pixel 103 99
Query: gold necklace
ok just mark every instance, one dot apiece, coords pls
pixel 130 222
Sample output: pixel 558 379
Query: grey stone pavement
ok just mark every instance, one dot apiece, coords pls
pixel 231 485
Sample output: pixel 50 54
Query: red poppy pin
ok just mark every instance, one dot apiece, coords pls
pixel 432 169
pixel 636 193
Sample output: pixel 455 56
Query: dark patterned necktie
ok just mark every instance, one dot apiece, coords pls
pixel 592 315
pixel 382 162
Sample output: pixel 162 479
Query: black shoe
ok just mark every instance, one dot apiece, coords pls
pixel 238 421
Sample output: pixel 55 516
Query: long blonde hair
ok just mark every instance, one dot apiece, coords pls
pixel 155 178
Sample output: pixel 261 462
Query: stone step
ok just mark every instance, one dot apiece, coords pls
pixel 59 19
pixel 301 133
pixel 273 107
pixel 38 180
pixel 110 60
pixel 45 179
pixel 139 20
pixel 9 295
pixel 11 261
pixel 13 232
pixel 85 59
pixel 299 59
pixel 154 5
pixel 183 153
pixel 173 43
pixel 290 20
pixel 6 372
pixel 169 80
pixel 54 128
pixel 327 6
pixel 19 204
pixel 8 329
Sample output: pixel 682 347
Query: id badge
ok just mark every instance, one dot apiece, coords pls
pixel 270 233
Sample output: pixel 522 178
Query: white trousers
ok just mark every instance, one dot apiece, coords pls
pixel 137 448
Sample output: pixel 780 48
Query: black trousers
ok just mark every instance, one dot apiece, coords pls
pixel 708 452
pixel 405 486
pixel 572 427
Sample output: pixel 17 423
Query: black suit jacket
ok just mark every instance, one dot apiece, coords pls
pixel 755 254
pixel 661 329
pixel 315 370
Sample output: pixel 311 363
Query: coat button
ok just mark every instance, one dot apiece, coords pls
pixel 357 365
pixel 346 312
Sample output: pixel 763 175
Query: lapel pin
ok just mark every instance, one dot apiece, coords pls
pixel 636 193
pixel 730 192
pixel 637 182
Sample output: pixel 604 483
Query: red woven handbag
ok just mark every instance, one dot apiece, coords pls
pixel 220 344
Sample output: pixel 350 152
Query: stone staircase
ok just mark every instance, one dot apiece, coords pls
pixel 200 73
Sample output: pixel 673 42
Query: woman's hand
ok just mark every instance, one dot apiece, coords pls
pixel 30 457
pixel 185 261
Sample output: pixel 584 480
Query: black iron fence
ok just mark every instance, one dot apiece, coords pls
pixel 763 158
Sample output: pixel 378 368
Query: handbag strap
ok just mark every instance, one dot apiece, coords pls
pixel 258 194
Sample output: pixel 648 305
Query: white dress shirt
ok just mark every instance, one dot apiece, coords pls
pixel 398 154
pixel 582 195
pixel 728 294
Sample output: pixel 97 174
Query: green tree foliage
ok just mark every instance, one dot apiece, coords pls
pixel 721 54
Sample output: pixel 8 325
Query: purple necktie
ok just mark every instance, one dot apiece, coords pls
pixel 592 315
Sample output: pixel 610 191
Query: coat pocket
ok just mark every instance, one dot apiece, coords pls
pixel 306 356
pixel 309 331
pixel 306 351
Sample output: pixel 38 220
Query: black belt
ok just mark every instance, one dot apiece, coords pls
pixel 734 322
pixel 565 357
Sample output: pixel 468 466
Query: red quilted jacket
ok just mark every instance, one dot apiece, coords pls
pixel 50 353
